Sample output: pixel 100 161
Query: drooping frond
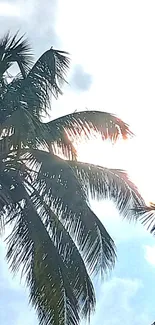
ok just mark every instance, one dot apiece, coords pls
pixel 86 122
pixel 44 247
pixel 105 183
pixel 146 214
pixel 77 273
pixel 50 291
pixel 58 184
pixel 14 49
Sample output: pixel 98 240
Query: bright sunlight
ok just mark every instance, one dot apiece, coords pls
pixel 124 155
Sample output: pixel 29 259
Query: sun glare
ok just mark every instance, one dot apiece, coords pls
pixel 122 155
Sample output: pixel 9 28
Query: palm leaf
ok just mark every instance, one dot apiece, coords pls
pixel 7 183
pixel 24 234
pixel 22 129
pixel 50 291
pixel 45 78
pixel 86 123
pixel 146 214
pixel 105 183
pixel 10 98
pixel 60 187
pixel 77 273
pixel 13 49
pixel 59 142
pixel 31 245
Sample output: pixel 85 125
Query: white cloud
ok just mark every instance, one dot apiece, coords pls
pixel 9 10
pixel 116 306
pixel 150 254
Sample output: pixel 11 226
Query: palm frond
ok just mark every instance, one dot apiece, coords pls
pixel 9 98
pixel 46 78
pixel 64 147
pixel 14 49
pixel 50 291
pixel 76 270
pixel 31 245
pixel 77 273
pixel 59 186
pixel 7 183
pixel 86 122
pixel 5 200
pixel 23 129
pixel 27 245
pixel 105 183
pixel 58 140
pixel 146 214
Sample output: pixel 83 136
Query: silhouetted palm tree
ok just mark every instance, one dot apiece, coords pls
pixel 56 238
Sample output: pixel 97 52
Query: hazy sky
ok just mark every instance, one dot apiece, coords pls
pixel 112 46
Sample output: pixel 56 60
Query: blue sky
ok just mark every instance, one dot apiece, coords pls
pixel 113 69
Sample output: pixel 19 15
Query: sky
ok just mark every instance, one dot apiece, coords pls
pixel 112 46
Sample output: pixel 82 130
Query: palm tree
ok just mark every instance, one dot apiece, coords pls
pixel 56 238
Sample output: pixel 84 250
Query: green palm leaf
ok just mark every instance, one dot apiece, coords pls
pixel 13 49
pixel 27 243
pixel 57 183
pixel 59 142
pixel 23 129
pixel 105 183
pixel 45 78
pixel 146 214
pixel 86 122
pixel 47 278
pixel 77 273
